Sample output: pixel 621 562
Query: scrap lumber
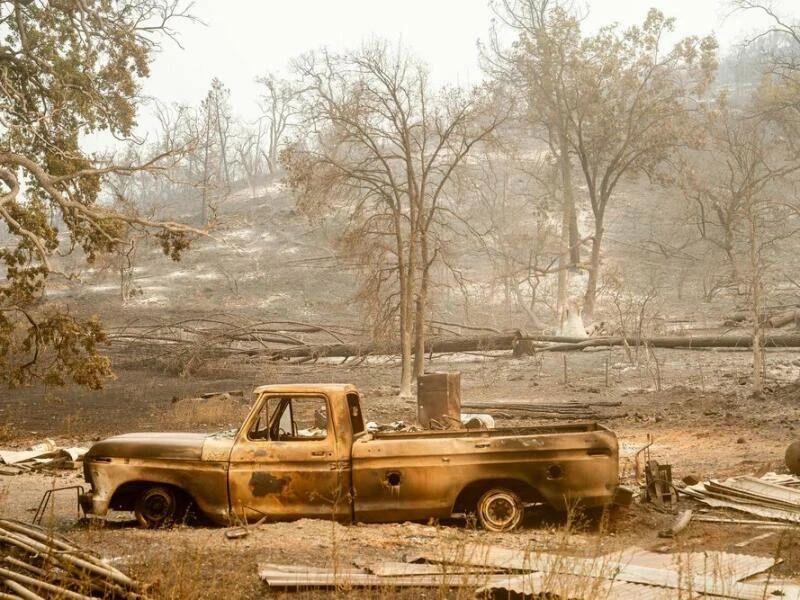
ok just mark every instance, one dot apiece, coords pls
pixel 757 523
pixel 40 563
pixel 755 538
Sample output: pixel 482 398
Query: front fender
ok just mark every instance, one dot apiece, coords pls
pixel 205 482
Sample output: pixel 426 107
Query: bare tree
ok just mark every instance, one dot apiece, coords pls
pixel 740 183
pixel 511 218
pixel 755 198
pixel 279 106
pixel 535 68
pixel 381 146
pixel 216 131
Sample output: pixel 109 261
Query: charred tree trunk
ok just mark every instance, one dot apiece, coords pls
pixel 562 344
pixel 441 345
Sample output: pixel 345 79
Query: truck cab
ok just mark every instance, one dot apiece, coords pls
pixel 293 454
pixel 303 452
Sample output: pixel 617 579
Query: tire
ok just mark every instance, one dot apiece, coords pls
pixel 159 506
pixel 500 509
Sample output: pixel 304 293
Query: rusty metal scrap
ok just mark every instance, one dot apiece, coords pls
pixel 39 563
pixel 657 482
pixel 766 496
pixel 660 490
pixel 681 523
pixel 43 455
pixel 792 457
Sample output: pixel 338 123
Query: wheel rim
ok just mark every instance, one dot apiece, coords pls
pixel 158 507
pixel 499 511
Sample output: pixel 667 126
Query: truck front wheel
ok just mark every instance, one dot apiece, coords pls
pixel 159 506
pixel 500 509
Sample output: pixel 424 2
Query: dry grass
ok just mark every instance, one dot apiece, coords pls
pixel 220 410
pixel 195 563
pixel 8 432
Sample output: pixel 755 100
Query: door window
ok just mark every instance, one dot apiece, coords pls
pixel 291 418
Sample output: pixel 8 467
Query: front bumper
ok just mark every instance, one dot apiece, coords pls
pixel 91 504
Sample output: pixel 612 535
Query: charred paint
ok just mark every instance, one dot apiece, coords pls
pixel 262 484
pixel 382 476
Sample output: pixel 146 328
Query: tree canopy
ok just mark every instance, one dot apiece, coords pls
pixel 67 70
pixel 616 102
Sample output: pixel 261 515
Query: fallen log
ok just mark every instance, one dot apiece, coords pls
pixel 442 345
pixel 472 344
pixel 785 318
pixel 771 318
pixel 337 350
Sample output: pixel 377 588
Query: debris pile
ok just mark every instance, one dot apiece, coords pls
pixel 498 572
pixel 771 496
pixel 45 454
pixel 40 564
pixel 374 427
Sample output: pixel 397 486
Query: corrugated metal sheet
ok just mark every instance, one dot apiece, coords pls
pixel 690 574
pixel 570 586
pixel 725 565
pixel 766 496
pixel 632 574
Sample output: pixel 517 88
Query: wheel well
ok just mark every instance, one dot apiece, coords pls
pixel 124 497
pixel 468 498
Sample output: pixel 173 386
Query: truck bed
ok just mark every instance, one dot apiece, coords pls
pixel 406 475
pixel 558 429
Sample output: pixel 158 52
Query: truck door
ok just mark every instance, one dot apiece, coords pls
pixel 287 463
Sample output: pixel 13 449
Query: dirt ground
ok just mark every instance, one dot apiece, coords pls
pixel 695 405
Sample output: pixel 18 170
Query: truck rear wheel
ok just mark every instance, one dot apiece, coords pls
pixel 500 509
pixel 159 506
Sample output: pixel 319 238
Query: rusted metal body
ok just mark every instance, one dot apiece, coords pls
pixel 792 457
pixel 439 400
pixel 303 451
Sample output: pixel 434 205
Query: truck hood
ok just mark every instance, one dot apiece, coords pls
pixel 175 446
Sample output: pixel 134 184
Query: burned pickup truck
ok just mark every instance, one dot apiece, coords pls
pixel 304 451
